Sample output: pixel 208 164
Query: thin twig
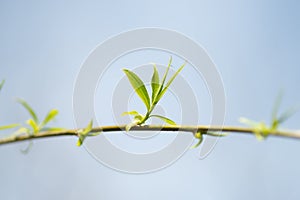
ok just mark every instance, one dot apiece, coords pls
pixel 191 129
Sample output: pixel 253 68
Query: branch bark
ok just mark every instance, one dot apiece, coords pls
pixel 191 129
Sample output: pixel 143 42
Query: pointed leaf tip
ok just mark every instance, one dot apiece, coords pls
pixel 163 90
pixel 29 109
pixel 9 126
pixel 49 117
pixel 155 83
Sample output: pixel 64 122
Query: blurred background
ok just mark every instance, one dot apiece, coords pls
pixel 254 44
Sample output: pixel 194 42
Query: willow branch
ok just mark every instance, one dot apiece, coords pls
pixel 191 129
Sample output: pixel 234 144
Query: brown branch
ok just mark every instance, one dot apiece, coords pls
pixel 191 129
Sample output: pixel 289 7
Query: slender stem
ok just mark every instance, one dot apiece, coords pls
pixel 148 114
pixel 183 128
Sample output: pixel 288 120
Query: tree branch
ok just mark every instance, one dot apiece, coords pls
pixel 191 129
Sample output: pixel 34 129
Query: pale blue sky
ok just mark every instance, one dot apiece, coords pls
pixel 255 45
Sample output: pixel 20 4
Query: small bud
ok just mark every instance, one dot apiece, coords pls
pixel 198 135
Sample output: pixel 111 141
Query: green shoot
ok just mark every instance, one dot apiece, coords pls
pixel 83 133
pixel 29 109
pixel 198 135
pixel 34 126
pixel 49 117
pixel 34 121
pixel 8 126
pixel 261 129
pixel 158 90
pixel 134 113
pixel 163 90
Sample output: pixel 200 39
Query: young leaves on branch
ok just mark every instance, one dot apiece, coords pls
pixel 199 135
pixel 83 133
pixel 34 123
pixel 261 129
pixel 158 87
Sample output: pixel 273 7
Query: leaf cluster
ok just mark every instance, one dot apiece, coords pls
pixel 87 131
pixel 261 129
pixel 34 124
pixel 159 88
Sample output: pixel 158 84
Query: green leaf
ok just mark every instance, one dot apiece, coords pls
pixel 133 112
pixel 50 116
pixel 136 115
pixel 197 144
pixel 199 136
pixel 80 140
pixel 164 77
pixel 169 82
pixel 261 131
pixel 155 83
pixel 139 117
pixel 29 109
pixel 83 133
pixel 276 106
pixel 9 126
pixel 165 119
pixel 167 71
pixel 275 122
pixel 1 84
pixel 33 125
pixel 88 128
pixel 138 86
pixel 287 114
